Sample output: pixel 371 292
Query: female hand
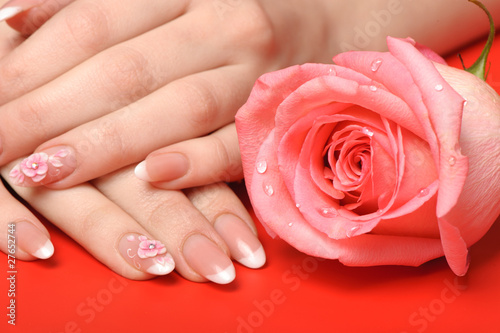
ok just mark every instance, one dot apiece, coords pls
pixel 118 216
pixel 98 94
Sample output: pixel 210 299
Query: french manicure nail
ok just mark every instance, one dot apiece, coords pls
pixel 162 167
pixel 9 12
pixel 242 242
pixel 146 255
pixel 208 260
pixel 44 167
pixel 33 241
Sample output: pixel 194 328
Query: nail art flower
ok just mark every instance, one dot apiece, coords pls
pixel 150 248
pixel 36 166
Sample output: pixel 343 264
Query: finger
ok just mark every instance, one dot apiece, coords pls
pixel 115 78
pixel 198 250
pixel 79 31
pixel 26 16
pixel 186 108
pixel 220 205
pixel 21 234
pixel 201 161
pixel 102 228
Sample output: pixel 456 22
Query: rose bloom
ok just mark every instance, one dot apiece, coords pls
pixel 382 159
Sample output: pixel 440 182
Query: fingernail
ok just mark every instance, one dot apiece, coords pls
pixel 208 260
pixel 162 167
pixel 14 7
pixel 242 242
pixel 9 12
pixel 146 255
pixel 44 167
pixel 33 241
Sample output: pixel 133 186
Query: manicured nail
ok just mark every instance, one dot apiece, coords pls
pixel 208 260
pixel 9 12
pixel 33 241
pixel 162 167
pixel 44 168
pixel 146 255
pixel 242 242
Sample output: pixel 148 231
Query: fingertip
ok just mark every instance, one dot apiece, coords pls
pixel 9 12
pixel 223 277
pixel 46 251
pixel 255 259
pixel 141 172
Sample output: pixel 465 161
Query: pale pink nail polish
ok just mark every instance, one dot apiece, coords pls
pixel 44 167
pixel 208 260
pixel 9 12
pixel 33 241
pixel 242 242
pixel 14 7
pixel 162 167
pixel 147 255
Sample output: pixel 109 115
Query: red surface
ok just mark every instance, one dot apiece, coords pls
pixel 72 292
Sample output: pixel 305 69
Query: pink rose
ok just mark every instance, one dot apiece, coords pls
pixel 383 158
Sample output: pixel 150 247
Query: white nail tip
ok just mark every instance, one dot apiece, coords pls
pixel 140 171
pixel 8 12
pixel 45 251
pixel 256 259
pixel 158 269
pixel 223 277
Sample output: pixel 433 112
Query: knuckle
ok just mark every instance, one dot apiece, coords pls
pixel 88 26
pixel 158 210
pixel 254 27
pixel 221 153
pixel 203 103
pixel 93 221
pixel 108 135
pixel 32 118
pixel 127 71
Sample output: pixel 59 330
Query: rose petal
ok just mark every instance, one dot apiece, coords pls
pixel 280 214
pixel 445 110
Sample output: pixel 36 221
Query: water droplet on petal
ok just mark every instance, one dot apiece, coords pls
pixel 290 224
pixel 373 88
pixel 352 232
pixel 297 205
pixel 332 71
pixel 261 167
pixel 465 103
pixel 376 64
pixel 423 192
pixel 438 87
pixel 380 211
pixel 452 160
pixel 328 212
pixel 367 131
pixel 268 189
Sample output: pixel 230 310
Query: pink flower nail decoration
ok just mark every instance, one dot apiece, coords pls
pixel 150 248
pixel 36 166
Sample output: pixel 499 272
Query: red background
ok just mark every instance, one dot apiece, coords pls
pixel 292 293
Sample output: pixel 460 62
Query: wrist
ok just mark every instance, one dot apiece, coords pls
pixel 303 29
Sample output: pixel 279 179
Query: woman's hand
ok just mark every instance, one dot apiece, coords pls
pixel 106 83
pixel 122 220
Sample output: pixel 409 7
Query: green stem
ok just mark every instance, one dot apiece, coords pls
pixel 479 67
